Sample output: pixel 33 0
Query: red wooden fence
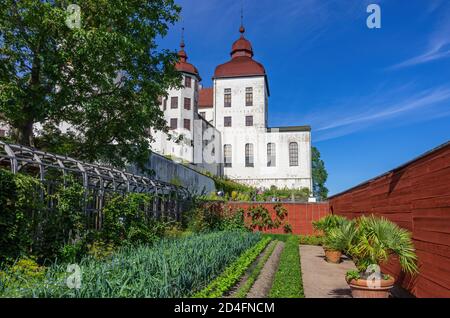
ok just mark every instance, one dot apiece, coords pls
pixel 417 197
pixel 299 216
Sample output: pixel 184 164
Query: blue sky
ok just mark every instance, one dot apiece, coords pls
pixel 375 98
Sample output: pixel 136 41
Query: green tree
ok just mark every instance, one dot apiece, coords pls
pixel 320 175
pixel 103 77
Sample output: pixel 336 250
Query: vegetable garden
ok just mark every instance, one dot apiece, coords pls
pixel 141 243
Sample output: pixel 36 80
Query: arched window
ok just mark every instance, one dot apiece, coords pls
pixel 271 155
pixel 227 156
pixel 249 155
pixel 293 154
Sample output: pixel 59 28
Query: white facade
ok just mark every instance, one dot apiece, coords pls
pixel 249 151
pixel 167 144
pixel 280 172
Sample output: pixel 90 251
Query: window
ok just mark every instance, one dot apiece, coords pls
pixel 271 155
pixel 203 114
pixel 173 123
pixel 249 155
pixel 227 121
pixel 248 120
pixel 227 156
pixel 187 124
pixel 249 96
pixel 2 133
pixel 227 97
pixel 174 102
pixel 293 154
pixel 187 103
pixel 187 81
pixel 165 104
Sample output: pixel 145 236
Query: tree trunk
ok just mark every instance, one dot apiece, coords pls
pixel 24 134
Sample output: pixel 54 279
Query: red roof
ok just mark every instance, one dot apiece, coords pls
pixel 205 98
pixel 240 66
pixel 182 65
pixel 242 62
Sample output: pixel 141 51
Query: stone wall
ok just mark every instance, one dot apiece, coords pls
pixel 170 171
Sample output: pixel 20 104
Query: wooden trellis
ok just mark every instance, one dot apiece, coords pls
pixel 99 182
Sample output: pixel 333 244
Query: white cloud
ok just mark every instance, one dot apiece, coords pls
pixel 388 108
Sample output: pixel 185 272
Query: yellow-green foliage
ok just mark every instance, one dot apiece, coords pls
pixel 25 273
pixel 100 250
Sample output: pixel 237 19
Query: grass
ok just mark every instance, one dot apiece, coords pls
pixel 288 279
pixel 170 268
pixel 232 274
pixel 245 288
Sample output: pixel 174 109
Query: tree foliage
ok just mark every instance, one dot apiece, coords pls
pixel 103 78
pixel 319 174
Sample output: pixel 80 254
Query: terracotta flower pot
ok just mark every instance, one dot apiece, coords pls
pixel 363 288
pixel 333 256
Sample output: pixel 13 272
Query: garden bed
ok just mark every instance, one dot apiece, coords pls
pixel 170 268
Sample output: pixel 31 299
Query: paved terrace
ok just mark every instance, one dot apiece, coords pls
pixel 322 279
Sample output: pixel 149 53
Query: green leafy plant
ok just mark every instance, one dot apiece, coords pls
pixel 259 218
pixel 254 274
pixel 231 275
pixel 126 221
pixel 378 240
pixel 311 240
pixel 341 238
pixel 329 222
pixel 288 279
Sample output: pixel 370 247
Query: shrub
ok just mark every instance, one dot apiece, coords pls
pixel 378 239
pixel 9 220
pixel 260 218
pixel 329 222
pixel 25 273
pixel 126 220
pixel 342 238
pixel 284 194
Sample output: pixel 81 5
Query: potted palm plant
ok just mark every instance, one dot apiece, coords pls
pixel 327 223
pixel 339 240
pixel 377 240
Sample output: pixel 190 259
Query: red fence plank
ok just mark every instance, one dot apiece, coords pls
pixel 416 196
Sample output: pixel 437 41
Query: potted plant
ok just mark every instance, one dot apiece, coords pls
pixel 329 222
pixel 378 239
pixel 339 240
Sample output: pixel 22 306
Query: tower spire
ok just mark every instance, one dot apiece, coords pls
pixel 242 29
pixel 182 45
pixel 182 54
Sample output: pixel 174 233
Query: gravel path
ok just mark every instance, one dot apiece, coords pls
pixel 322 279
pixel 263 283
pixel 232 293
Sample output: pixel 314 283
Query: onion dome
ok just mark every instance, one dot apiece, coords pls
pixel 241 63
pixel 182 65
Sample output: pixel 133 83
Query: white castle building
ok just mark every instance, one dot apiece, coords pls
pixel 235 111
